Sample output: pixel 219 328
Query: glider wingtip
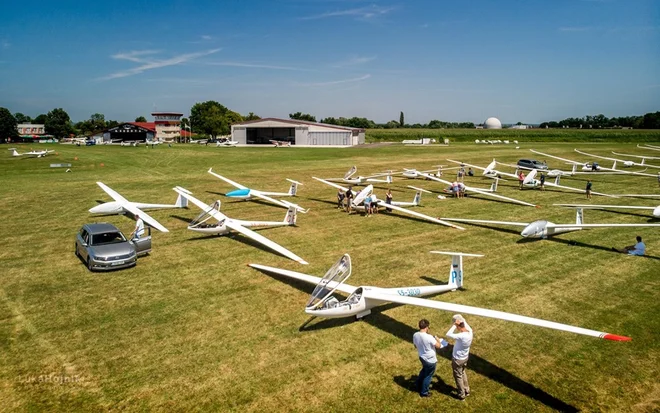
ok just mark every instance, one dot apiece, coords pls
pixel 614 337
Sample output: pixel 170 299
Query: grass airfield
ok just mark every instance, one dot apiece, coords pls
pixel 191 327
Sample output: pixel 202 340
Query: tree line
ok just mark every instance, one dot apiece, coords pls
pixel 211 118
pixel 650 120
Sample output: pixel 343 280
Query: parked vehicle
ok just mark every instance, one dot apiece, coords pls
pixel 532 164
pixel 102 246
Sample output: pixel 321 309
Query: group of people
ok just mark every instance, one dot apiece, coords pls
pixel 457 189
pixel 345 202
pixel 427 346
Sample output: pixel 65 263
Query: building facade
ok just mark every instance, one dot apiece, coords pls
pixel 31 129
pixel 296 132
pixel 168 125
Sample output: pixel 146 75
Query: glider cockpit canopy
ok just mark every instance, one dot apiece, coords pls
pixel 332 279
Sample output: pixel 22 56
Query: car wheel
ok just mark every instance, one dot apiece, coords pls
pixel 89 265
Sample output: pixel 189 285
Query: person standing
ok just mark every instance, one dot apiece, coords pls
pixel 138 232
pixel 349 200
pixel 388 200
pixel 542 178
pixel 340 199
pixel 521 179
pixel 588 189
pixel 426 345
pixel 462 333
pixel 367 206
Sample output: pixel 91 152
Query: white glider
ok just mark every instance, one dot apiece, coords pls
pixel 31 154
pixel 121 205
pixel 544 229
pixel 246 193
pixel 228 143
pixel 591 167
pixel 361 180
pixel 358 200
pixel 227 225
pixel 362 299
pixel 655 213
pixel 486 192
pixel 530 181
pixel 651 147
pixel 625 163
pixel 643 158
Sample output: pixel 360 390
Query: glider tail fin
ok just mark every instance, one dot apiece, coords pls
pixel 14 152
pixel 557 178
pixel 182 201
pixel 574 169
pixel 579 216
pixel 456 271
pixel 389 179
pixel 493 186
pixel 290 217
pixel 614 165
pixel 293 189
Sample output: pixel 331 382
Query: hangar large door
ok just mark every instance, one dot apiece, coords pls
pixel 263 136
pixel 330 138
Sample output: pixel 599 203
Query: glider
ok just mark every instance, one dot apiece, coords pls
pixel 246 193
pixel 362 299
pixel 227 225
pixel 624 162
pixel 361 180
pixel 228 143
pixel 544 229
pixel 358 200
pixel 655 213
pixel 592 167
pixel 651 147
pixel 486 192
pixel 643 158
pixel 31 154
pixel 279 144
pixel 121 205
pixel 530 181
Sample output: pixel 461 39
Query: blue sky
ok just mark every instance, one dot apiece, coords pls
pixel 526 61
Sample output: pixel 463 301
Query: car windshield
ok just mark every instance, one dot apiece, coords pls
pixel 108 238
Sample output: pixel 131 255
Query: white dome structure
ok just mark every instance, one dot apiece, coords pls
pixel 492 123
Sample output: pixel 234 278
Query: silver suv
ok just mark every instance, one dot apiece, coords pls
pixel 532 164
pixel 102 246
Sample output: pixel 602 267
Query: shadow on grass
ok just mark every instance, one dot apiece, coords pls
pixel 438 385
pixel 476 364
pixel 481 225
pixel 581 244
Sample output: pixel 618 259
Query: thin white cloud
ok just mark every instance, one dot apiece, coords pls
pixel 337 82
pixel 150 64
pixel 356 60
pixel 360 12
pixel 257 66
pixel 206 37
pixel 5 44
pixel 569 29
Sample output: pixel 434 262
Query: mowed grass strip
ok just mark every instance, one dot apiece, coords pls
pixel 192 327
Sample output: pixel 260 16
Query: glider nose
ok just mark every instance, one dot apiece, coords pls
pixel 238 193
pixel 99 209
pixel 656 212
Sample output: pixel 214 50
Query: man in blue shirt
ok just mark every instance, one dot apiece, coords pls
pixel 637 249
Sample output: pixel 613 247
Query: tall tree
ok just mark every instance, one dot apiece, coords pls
pixel 251 116
pixel 21 118
pixel 40 119
pixel 212 118
pixel 7 125
pixel 302 116
pixel 140 119
pixel 58 123
pixel 402 122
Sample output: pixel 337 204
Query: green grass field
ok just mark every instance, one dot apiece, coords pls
pixel 191 327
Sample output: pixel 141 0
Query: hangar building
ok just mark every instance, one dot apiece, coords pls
pixel 262 131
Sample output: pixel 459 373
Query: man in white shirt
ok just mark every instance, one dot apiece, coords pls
pixel 462 333
pixel 139 228
pixel 426 345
